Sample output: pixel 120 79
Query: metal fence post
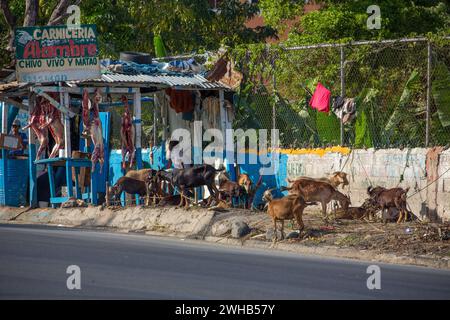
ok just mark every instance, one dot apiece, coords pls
pixel 274 112
pixel 342 91
pixel 427 128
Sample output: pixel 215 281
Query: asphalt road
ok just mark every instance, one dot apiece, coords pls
pixel 34 260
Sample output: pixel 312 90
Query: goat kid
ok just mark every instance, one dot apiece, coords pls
pixel 390 198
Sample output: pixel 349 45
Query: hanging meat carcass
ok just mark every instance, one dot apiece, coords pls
pixel 52 120
pixel 127 133
pixel 37 119
pixel 93 126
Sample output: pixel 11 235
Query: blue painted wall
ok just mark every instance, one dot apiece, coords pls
pixel 269 181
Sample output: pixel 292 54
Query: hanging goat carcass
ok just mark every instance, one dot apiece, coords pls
pixel 51 118
pixel 37 119
pixel 93 127
pixel 127 132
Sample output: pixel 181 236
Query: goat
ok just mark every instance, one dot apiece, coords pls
pixel 228 187
pixel 287 207
pixel 323 192
pixel 192 177
pixel 141 174
pixel 389 198
pixel 129 185
pixel 245 181
pixel 335 179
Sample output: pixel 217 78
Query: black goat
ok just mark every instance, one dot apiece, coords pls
pixel 189 178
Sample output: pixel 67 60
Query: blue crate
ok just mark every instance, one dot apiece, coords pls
pixel 13 184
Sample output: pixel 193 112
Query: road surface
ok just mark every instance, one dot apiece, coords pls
pixel 34 261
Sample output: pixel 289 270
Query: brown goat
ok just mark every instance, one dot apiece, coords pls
pixel 129 185
pixel 228 188
pixel 140 174
pixel 390 198
pixel 287 207
pixel 336 179
pixel 323 192
pixel 245 181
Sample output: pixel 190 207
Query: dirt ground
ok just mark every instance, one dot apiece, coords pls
pixel 409 238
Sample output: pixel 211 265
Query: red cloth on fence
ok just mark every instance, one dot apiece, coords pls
pixel 321 99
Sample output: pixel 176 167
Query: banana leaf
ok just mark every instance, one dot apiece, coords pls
pixel 441 93
pixel 401 114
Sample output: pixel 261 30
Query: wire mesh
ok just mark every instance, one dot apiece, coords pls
pixel 388 84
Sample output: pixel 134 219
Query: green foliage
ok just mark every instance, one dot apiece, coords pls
pixel 441 93
pixel 130 25
pixel 340 21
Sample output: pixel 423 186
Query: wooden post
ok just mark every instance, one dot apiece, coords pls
pixel 138 127
pixel 107 194
pixel 32 154
pixel 342 91
pixel 427 121
pixel 4 159
pixel 138 130
pixel 67 143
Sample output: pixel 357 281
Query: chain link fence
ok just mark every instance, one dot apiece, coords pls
pixel 400 90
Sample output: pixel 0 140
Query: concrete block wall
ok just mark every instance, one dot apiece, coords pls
pixel 413 168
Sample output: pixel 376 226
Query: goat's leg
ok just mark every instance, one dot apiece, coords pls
pixel 298 217
pixel 275 229
pixel 324 210
pixel 400 216
pixel 282 229
pixel 181 198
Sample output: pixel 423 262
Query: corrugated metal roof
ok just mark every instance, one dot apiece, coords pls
pixel 188 81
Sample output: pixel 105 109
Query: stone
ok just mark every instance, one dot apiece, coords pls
pixel 221 228
pixel 293 235
pixel 239 229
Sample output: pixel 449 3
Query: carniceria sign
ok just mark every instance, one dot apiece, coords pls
pixel 56 53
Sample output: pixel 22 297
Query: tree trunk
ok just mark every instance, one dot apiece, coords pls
pixel 59 13
pixel 10 20
pixel 31 13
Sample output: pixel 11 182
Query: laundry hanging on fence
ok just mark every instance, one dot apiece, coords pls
pixel 180 100
pixel 344 109
pixel 321 99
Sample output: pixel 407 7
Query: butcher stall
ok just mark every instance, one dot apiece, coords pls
pixel 79 144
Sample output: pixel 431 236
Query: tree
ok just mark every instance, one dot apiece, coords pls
pixel 347 20
pixel 30 16
pixel 130 25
